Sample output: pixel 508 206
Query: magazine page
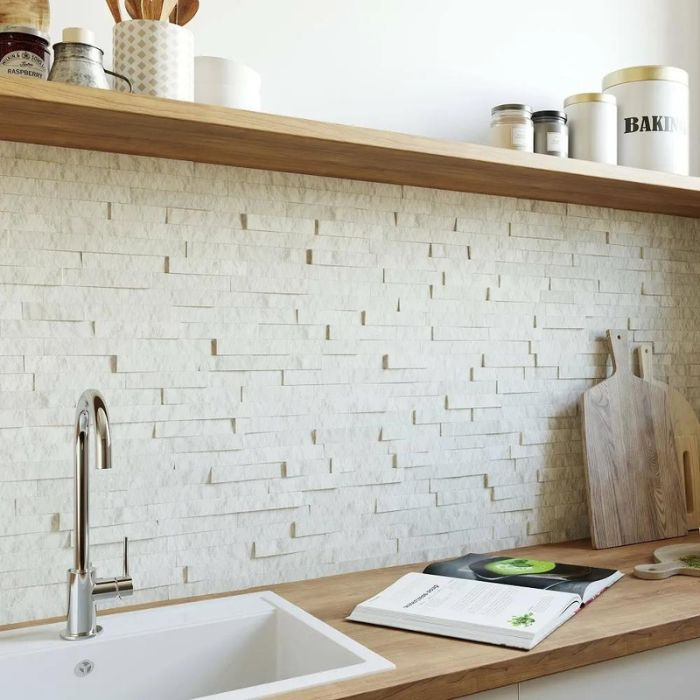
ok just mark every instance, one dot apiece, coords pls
pixel 455 602
pixel 585 581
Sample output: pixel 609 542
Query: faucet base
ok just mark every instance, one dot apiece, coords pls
pixel 81 635
pixel 81 619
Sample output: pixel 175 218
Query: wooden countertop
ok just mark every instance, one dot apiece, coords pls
pixel 633 616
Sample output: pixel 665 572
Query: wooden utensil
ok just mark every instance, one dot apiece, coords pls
pixel 133 8
pixel 114 8
pixel 686 431
pixel 635 492
pixel 151 9
pixel 184 12
pixel 675 559
pixel 167 8
pixel 26 13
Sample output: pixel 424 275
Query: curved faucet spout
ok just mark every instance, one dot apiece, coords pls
pixel 83 588
pixel 91 412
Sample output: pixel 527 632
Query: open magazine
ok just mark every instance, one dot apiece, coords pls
pixel 586 581
pixel 482 612
pixel 503 600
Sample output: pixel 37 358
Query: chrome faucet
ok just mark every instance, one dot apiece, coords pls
pixel 83 588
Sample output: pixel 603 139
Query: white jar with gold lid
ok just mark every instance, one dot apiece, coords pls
pixel 592 126
pixel 652 125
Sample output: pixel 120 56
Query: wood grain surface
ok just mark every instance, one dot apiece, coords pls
pixel 686 432
pixel 635 490
pixel 70 116
pixel 633 616
pixel 26 13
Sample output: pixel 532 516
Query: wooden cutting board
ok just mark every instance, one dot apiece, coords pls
pixel 686 431
pixel 635 491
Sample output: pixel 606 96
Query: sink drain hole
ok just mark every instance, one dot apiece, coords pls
pixel 83 668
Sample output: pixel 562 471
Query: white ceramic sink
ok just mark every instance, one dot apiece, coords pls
pixel 247 646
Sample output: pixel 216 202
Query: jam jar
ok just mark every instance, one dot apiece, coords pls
pixel 24 52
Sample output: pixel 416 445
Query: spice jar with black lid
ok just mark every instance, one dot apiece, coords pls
pixel 551 133
pixel 24 52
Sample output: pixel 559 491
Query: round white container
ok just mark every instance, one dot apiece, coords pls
pixel 652 130
pixel 592 126
pixel 157 57
pixel 219 81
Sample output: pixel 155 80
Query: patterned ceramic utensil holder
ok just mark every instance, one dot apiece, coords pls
pixel 157 57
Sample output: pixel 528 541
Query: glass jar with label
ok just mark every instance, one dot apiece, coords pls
pixel 24 52
pixel 511 127
pixel 551 133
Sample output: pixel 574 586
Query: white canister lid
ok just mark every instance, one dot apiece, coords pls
pixel 78 35
pixel 635 74
pixel 589 97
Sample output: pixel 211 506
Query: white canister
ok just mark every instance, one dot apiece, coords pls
pixel 592 126
pixel 157 57
pixel 652 123
pixel 219 81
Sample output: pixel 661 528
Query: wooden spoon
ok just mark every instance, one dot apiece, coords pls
pixel 184 12
pixel 150 9
pixel 133 7
pixel 155 9
pixel 167 8
pixel 115 10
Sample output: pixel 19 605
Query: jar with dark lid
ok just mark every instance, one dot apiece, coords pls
pixel 24 52
pixel 551 133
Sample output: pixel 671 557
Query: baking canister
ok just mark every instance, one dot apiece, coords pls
pixel 219 81
pixel 592 126
pixel 157 57
pixel 652 122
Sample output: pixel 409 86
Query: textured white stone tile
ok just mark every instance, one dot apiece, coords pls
pixel 405 389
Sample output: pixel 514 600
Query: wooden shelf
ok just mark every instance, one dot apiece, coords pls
pixel 63 115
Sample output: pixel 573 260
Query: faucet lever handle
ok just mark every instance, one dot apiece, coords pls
pixel 126 557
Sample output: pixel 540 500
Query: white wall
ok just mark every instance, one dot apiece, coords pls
pixel 429 67
pixel 305 375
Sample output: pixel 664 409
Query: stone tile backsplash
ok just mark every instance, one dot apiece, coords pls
pixel 306 376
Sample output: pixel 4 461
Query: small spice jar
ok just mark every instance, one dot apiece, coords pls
pixel 511 127
pixel 24 52
pixel 551 133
